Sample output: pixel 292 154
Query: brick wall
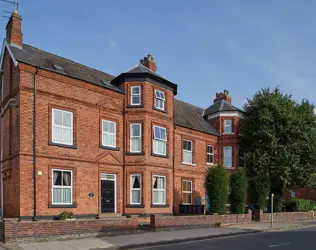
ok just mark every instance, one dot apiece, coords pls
pixel 286 216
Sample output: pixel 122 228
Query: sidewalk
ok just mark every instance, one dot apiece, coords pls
pixel 157 238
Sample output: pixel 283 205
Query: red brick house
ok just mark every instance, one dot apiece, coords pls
pixel 78 139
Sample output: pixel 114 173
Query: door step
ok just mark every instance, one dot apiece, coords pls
pixel 111 216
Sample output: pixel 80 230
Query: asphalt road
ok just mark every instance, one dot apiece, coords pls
pixel 303 239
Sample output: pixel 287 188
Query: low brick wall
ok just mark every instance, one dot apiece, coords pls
pixel 286 216
pixel 14 230
pixel 159 221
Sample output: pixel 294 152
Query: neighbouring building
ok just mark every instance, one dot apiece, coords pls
pixel 77 139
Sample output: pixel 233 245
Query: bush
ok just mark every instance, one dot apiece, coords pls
pixel 259 189
pixel 66 215
pixel 238 193
pixel 217 185
pixel 298 205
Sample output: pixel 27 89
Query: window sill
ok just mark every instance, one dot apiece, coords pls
pixel 62 206
pixel 158 155
pixel 159 205
pixel 228 133
pixel 62 145
pixel 160 110
pixel 189 164
pixel 229 167
pixel 135 106
pixel 135 153
pixel 135 206
pixel 210 164
pixel 109 148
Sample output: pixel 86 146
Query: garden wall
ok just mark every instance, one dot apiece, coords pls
pixel 286 216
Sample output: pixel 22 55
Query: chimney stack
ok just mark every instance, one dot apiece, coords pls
pixel 149 62
pixel 223 96
pixel 14 34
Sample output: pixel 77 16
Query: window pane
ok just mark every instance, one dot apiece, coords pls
pixel 105 126
pixel 160 183
pixel 57 195
pixel 57 117
pixel 66 179
pixel 135 90
pixel 112 127
pixel 66 136
pixel 186 186
pixel 187 145
pixel 187 157
pixel 135 130
pixel 67 119
pixel 159 197
pixel 210 149
pixel 162 95
pixel 186 198
pixel 135 145
pixel 135 99
pixel 159 147
pixel 155 182
pixel 66 195
pixel 157 133
pixel 57 178
pixel 210 158
pixel 163 134
pixel 135 196
pixel 135 182
pixel 57 134
pixel 227 156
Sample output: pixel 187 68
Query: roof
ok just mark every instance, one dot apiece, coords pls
pixel 42 59
pixel 140 68
pixel 190 116
pixel 220 105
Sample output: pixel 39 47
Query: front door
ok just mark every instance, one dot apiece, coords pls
pixel 107 196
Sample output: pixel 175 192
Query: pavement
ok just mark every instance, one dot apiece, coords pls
pixel 160 238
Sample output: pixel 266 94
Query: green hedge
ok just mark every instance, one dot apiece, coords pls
pixel 258 191
pixel 238 193
pixel 298 205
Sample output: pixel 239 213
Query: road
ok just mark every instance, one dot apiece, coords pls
pixel 302 239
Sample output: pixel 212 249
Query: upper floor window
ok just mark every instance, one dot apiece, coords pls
pixel 135 95
pixel 160 100
pixel 135 189
pixel 62 127
pixel 159 190
pixel 135 136
pixel 228 157
pixel 160 141
pixel 210 154
pixel 62 187
pixel 108 133
pixel 187 151
pixel 228 126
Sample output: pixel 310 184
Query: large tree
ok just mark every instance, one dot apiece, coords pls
pixel 279 140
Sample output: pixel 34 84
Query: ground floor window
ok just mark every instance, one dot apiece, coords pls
pixel 186 192
pixel 62 187
pixel 159 189
pixel 135 189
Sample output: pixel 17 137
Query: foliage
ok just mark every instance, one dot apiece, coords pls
pixel 279 140
pixel 217 186
pixel 66 215
pixel 238 194
pixel 298 205
pixel 258 191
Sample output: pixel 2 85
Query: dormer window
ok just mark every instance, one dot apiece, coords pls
pixel 159 100
pixel 135 95
pixel 228 126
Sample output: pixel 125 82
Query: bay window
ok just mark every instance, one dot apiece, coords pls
pixel 228 156
pixel 160 141
pixel 159 190
pixel 135 137
pixel 135 95
pixel 135 185
pixel 159 100
pixel 228 126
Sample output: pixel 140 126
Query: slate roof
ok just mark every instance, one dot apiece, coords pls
pixel 46 60
pixel 140 68
pixel 190 116
pixel 220 105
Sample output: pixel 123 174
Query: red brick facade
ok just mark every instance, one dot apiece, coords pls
pixel 86 158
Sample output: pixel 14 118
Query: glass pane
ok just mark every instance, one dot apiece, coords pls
pixel 159 197
pixel 57 195
pixel 162 95
pixel 67 119
pixel 57 117
pixel 67 179
pixel 67 136
pixel 66 195
pixel 112 127
pixel 157 94
pixel 108 140
pixel 135 130
pixel 135 99
pixel 136 181
pixel 105 126
pixel 135 145
pixel 57 134
pixel 157 133
pixel 210 149
pixel 135 90
pixel 160 182
pixel 135 196
pixel 186 198
pixel 186 186
pixel 210 158
pixel 187 156
pixel 187 145
pixel 57 178
pixel 155 183
pixel 163 134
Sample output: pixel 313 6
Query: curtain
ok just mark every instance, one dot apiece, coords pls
pixel 160 147
pixel 187 156
pixel 135 145
pixel 55 175
pixel 67 181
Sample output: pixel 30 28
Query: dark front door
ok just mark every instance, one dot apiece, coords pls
pixel 107 196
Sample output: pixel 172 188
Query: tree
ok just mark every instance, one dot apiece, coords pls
pixel 217 187
pixel 258 190
pixel 238 193
pixel 279 140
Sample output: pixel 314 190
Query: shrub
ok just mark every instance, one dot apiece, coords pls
pixel 259 189
pixel 298 205
pixel 66 215
pixel 238 193
pixel 217 185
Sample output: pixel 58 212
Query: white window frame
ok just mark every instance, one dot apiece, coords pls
pixel 159 189
pixel 231 126
pixel 140 100
pixel 228 157
pixel 187 192
pixel 136 189
pixel 162 99
pixel 207 153
pixel 109 133
pixel 140 136
pixel 61 126
pixel 184 150
pixel 158 139
pixel 66 187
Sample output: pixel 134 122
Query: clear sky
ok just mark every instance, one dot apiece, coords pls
pixel 203 46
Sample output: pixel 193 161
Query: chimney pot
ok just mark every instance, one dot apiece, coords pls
pixel 14 34
pixel 149 62
pixel 223 96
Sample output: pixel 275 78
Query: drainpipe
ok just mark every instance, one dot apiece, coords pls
pixel 173 167
pixel 34 144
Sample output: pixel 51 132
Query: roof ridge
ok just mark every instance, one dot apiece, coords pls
pixel 67 59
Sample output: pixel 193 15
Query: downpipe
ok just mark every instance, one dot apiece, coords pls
pixel 34 144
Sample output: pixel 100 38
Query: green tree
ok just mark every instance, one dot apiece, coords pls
pixel 217 187
pixel 279 140
pixel 258 191
pixel 238 193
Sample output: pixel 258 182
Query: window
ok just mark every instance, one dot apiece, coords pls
pixel 228 128
pixel 160 140
pixel 136 135
pixel 187 151
pixel 62 131
pixel 108 133
pixel 186 192
pixel 228 157
pixel 62 187
pixel 210 154
pixel 135 95
pixel 160 100
pixel 159 190
pixel 135 189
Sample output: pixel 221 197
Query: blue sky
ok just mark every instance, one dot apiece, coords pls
pixel 203 46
